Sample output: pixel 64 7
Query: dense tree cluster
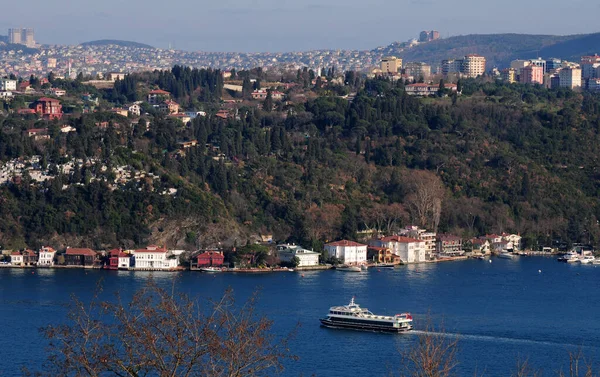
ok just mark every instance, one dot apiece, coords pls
pixel 497 158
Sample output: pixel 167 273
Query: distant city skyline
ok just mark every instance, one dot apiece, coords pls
pixel 280 25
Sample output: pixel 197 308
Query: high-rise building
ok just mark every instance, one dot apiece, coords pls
pixel 429 35
pixel 451 66
pixel 391 65
pixel 532 74
pixel 553 64
pixel 589 65
pixel 29 39
pixel 417 70
pixel 14 36
pixel 21 36
pixel 539 62
pixel 473 65
pixel 570 77
pixel 509 75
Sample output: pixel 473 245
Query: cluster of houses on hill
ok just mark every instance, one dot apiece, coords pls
pixel 412 245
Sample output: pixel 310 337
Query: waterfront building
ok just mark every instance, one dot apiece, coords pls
pixel 349 252
pixel 410 250
pixel 570 78
pixel 306 258
pixel 513 239
pixel 509 75
pixel 16 258
pixel 46 257
pixel 81 257
pixel 119 260
pixel 449 245
pixel 391 65
pixel 381 255
pixel 8 85
pixel 426 236
pixel 481 246
pixel 532 74
pixel 154 258
pixel 208 258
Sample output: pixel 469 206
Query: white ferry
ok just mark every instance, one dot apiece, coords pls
pixel 352 316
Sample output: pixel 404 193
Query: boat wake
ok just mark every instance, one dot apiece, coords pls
pixel 500 339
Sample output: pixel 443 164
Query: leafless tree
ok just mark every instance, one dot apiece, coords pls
pixel 425 198
pixel 433 355
pixel 158 333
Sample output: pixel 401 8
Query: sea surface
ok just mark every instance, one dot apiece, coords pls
pixel 532 308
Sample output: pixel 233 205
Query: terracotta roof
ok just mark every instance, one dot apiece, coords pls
pixel 401 239
pixel 151 249
pixel 378 248
pixel 80 251
pixel 46 99
pixel 158 91
pixel 15 253
pixel 209 253
pixel 344 243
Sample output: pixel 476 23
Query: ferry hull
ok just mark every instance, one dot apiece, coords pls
pixel 362 326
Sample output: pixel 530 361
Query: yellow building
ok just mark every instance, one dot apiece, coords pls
pixel 391 65
pixel 509 75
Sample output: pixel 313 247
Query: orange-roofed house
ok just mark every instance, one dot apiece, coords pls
pixel 349 252
pixel 48 108
pixel 80 257
pixel 118 260
pixel 46 257
pixel 410 250
pixel 155 258
pixel 157 96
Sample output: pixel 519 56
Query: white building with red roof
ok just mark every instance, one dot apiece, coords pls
pixel 410 250
pixel 349 252
pixel 16 258
pixel 46 257
pixel 154 258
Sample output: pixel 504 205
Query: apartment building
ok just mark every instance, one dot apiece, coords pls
pixel 391 65
pixel 532 74
pixel 570 78
pixel 473 65
pixel 417 70
pixel 589 65
pixel 509 75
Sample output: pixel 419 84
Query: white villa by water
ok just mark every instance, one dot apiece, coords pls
pixel 306 257
pixel 349 252
pixel 155 258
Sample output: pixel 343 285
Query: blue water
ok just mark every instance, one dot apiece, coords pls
pixel 502 311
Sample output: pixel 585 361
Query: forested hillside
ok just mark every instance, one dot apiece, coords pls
pixel 496 158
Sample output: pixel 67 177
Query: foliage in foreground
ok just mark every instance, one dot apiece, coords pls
pixel 158 333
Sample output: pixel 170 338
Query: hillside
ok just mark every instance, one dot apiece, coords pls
pixel 106 42
pixel 500 49
pixel 498 158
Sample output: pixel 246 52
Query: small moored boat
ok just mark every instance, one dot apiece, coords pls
pixel 506 255
pixel 386 265
pixel 587 259
pixel 352 316
pixel 211 270
pixel 347 268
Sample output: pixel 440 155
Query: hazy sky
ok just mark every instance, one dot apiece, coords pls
pixel 283 25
